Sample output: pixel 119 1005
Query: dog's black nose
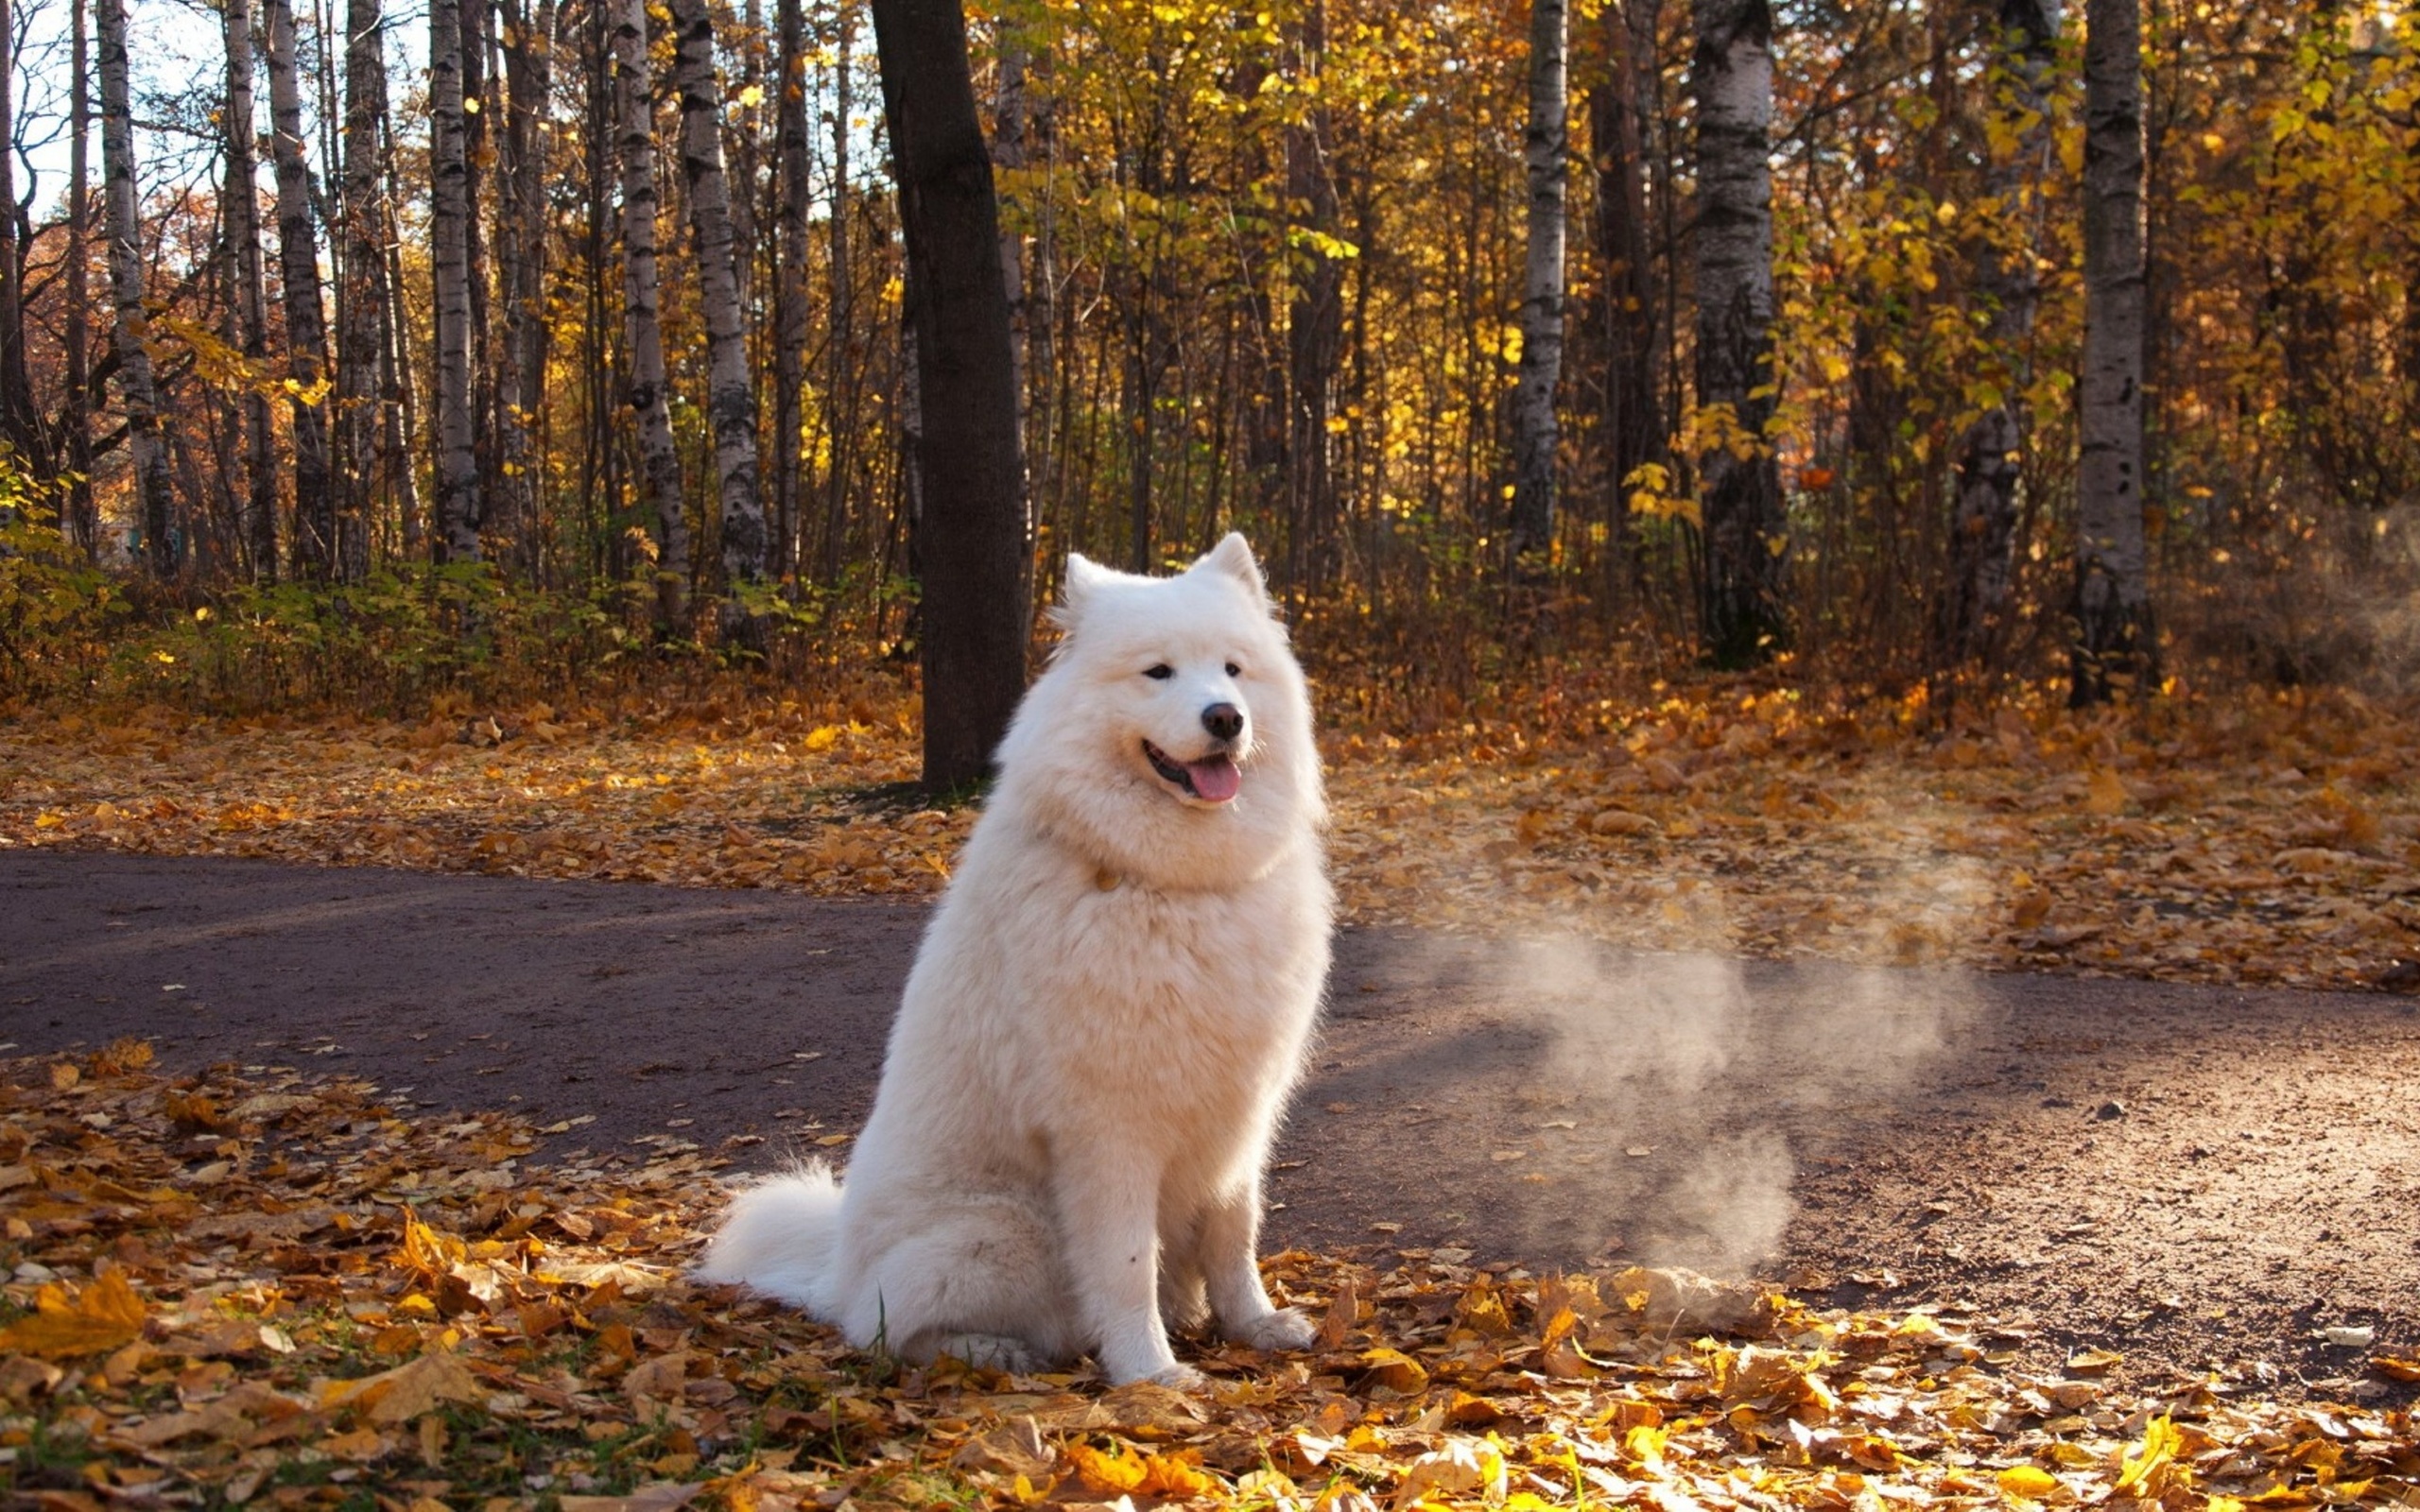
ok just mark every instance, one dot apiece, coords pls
pixel 1223 720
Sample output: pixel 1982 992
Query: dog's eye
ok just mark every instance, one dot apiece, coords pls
pixel 1159 672
pixel 1233 671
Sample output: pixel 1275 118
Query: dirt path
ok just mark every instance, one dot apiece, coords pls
pixel 2189 1177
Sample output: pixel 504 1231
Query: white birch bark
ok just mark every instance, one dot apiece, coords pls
pixel 1740 609
pixel 457 476
pixel 2114 650
pixel 731 393
pixel 361 304
pixel 1546 146
pixel 659 464
pixel 146 444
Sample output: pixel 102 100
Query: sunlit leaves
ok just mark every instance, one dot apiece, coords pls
pixel 103 1316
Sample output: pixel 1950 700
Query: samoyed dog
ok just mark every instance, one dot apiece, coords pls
pixel 1104 1020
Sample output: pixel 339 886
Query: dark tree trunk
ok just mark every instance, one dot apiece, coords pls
pixel 977 600
pixel 521 269
pixel 791 232
pixel 1314 325
pixel 1973 620
pixel 1630 415
pixel 240 211
pixel 306 344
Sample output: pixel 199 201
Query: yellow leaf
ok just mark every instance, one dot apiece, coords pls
pixel 2161 1441
pixel 1395 1370
pixel 821 738
pixel 2029 1483
pixel 105 1315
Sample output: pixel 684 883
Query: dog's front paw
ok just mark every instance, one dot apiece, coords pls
pixel 1180 1378
pixel 1281 1329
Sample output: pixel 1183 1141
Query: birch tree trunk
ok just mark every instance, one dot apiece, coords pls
pixel 240 209
pixel 2114 652
pixel 731 395
pixel 1535 433
pixel 1742 619
pixel 19 420
pixel 1982 536
pixel 976 604
pixel 457 474
pixel 659 464
pixel 306 340
pixel 361 307
pixel 82 522
pixel 146 444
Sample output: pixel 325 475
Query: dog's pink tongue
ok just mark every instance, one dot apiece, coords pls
pixel 1216 780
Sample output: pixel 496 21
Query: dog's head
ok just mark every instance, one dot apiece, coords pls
pixel 1173 726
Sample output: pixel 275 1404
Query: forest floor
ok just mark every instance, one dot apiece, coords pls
pixel 401 1201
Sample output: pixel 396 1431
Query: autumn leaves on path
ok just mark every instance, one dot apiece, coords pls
pixel 275 1289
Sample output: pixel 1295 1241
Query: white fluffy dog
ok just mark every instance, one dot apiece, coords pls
pixel 1105 1018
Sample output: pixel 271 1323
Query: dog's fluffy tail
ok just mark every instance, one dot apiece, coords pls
pixel 779 1236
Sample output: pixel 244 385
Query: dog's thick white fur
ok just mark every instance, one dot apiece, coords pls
pixel 1104 1020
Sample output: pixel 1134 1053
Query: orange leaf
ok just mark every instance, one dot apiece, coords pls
pixel 106 1315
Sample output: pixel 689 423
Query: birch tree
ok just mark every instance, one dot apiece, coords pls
pixel 974 540
pixel 240 210
pixel 83 521
pixel 2113 648
pixel 1535 432
pixel 1740 610
pixel 1982 534
pixel 457 476
pixel 361 303
pixel 731 396
pixel 19 420
pixel 147 445
pixel 659 464
pixel 306 341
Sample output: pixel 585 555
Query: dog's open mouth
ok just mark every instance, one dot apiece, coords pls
pixel 1213 778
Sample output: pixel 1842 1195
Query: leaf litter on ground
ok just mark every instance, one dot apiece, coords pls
pixel 2252 837
pixel 259 1287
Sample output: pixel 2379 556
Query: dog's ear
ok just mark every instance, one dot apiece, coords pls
pixel 1233 555
pixel 1084 576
